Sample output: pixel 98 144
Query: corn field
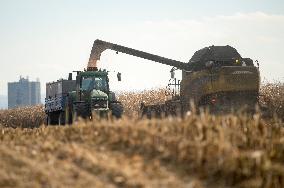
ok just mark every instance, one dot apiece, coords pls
pixel 234 150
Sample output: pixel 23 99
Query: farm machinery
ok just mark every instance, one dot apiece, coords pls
pixel 88 95
pixel 216 77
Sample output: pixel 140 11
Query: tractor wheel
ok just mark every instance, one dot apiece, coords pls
pixel 61 118
pixel 83 110
pixel 52 119
pixel 74 117
pixel 46 120
pixel 116 109
pixel 68 117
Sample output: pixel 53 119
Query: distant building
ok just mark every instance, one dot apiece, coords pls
pixel 23 93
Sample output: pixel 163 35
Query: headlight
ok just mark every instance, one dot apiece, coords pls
pixel 98 103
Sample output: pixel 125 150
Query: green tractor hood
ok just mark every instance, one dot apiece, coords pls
pixel 98 94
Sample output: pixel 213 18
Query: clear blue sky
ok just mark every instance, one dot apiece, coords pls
pixel 20 14
pixel 49 38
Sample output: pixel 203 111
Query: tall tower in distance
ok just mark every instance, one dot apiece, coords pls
pixel 23 93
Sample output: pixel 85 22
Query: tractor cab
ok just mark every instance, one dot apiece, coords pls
pixel 90 83
pixel 91 93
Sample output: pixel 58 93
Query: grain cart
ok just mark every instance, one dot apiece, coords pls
pixel 89 94
pixel 216 77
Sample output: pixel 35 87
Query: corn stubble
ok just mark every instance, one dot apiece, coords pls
pixel 27 117
pixel 198 151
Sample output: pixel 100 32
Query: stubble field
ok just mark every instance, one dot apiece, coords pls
pixel 197 151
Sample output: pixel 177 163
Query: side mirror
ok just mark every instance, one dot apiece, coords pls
pixel 172 74
pixel 209 64
pixel 119 76
pixel 257 63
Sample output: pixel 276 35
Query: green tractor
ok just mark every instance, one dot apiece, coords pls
pixel 87 96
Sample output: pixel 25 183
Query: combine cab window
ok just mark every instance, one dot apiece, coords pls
pixel 226 63
pixel 90 83
pixel 243 63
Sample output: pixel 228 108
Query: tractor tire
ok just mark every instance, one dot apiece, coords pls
pixel 116 109
pixel 82 110
pixel 74 117
pixel 68 116
pixel 52 118
pixel 61 118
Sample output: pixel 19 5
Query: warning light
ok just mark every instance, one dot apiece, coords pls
pixel 213 101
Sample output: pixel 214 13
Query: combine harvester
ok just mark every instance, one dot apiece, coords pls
pixel 216 77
